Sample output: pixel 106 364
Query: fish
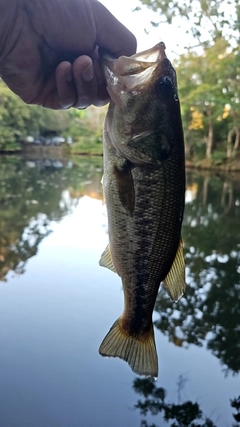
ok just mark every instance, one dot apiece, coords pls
pixel 144 190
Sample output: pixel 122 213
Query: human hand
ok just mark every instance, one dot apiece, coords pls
pixel 49 50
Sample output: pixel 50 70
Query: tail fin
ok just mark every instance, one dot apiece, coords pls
pixel 139 352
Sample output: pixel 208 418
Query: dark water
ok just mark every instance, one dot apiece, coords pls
pixel 56 305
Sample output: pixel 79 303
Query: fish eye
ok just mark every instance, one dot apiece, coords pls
pixel 165 87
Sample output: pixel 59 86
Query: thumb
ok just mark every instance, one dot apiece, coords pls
pixel 111 34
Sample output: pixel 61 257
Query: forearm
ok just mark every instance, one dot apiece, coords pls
pixel 10 24
pixel 18 46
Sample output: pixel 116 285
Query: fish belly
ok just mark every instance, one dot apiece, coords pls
pixel 145 208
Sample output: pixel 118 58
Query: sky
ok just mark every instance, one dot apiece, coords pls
pixel 174 36
pixel 138 21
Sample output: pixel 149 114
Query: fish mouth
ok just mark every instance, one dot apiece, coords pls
pixel 129 74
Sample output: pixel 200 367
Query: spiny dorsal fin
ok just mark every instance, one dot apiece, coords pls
pixel 139 352
pixel 106 260
pixel 174 282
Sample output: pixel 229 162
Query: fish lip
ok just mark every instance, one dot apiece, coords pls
pixel 134 64
pixel 130 73
pixel 154 54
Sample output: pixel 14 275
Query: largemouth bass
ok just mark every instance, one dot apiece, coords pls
pixel 144 188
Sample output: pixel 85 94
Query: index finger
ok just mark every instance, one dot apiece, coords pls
pixel 111 34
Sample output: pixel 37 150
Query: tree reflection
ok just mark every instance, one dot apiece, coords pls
pixel 235 403
pixel 210 309
pixel 34 193
pixel 186 414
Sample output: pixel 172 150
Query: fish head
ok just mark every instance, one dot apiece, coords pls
pixel 144 113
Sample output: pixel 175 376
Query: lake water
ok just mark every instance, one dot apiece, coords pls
pixel 57 304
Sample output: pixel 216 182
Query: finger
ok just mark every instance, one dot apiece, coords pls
pixel 58 91
pixel 102 93
pixel 102 96
pixel 85 81
pixel 76 86
pixel 65 95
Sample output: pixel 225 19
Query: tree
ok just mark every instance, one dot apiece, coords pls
pixel 13 114
pixel 200 88
pixel 19 120
pixel 208 73
pixel 204 20
pixel 232 90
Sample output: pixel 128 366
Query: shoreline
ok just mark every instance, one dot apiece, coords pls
pixel 60 152
pixel 233 166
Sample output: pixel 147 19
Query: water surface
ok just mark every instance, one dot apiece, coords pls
pixel 56 305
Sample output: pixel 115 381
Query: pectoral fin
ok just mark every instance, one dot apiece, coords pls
pixel 174 282
pixel 125 187
pixel 106 260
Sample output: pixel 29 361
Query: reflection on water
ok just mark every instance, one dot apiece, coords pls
pixel 32 194
pixel 183 413
pixel 35 195
pixel 210 310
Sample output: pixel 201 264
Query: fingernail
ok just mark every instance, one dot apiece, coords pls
pixel 68 75
pixel 87 74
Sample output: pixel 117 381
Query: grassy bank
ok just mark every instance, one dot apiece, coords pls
pixel 87 146
pixel 233 165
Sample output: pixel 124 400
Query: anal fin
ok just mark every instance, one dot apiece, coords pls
pixel 106 260
pixel 174 282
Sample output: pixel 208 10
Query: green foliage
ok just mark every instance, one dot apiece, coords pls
pixel 87 145
pixel 12 111
pixel 204 20
pixel 219 157
pixel 208 74
pixel 19 120
pixel 203 82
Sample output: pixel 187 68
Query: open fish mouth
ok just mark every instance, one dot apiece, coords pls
pixel 127 74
